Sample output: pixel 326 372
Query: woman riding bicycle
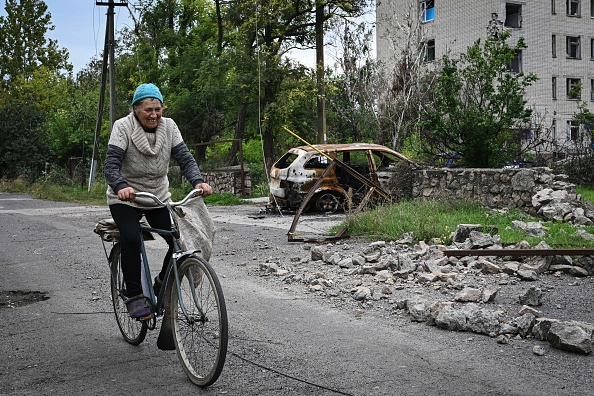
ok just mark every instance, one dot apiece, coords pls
pixel 140 148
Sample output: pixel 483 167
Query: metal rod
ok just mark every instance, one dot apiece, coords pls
pixel 518 252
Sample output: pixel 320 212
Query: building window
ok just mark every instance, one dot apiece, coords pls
pixel 592 90
pixel 430 51
pixel 553 7
pixel 513 15
pixel 573 47
pixel 573 129
pixel 554 87
pixel 573 7
pixel 554 45
pixel 515 65
pixel 591 8
pixel 427 10
pixel 592 48
pixel 554 130
pixel 574 88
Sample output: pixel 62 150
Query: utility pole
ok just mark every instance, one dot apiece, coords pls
pixel 108 56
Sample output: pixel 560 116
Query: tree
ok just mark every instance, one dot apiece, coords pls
pixel 399 86
pixel 351 93
pixel 24 148
pixel 477 108
pixel 222 65
pixel 24 46
pixel 275 27
pixel 32 85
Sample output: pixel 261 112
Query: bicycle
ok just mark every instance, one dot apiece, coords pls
pixel 190 300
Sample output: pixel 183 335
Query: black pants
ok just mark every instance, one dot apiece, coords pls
pixel 127 218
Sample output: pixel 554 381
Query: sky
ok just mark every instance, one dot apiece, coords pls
pixel 80 27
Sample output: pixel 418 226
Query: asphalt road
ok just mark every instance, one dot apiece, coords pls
pixel 282 342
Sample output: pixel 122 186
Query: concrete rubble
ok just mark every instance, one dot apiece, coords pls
pixel 380 271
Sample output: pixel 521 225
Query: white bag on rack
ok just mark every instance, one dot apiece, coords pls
pixel 195 226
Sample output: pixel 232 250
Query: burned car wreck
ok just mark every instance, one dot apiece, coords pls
pixel 355 167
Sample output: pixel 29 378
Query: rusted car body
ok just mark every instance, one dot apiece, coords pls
pixel 294 174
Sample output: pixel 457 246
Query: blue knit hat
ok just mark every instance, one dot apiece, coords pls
pixel 147 91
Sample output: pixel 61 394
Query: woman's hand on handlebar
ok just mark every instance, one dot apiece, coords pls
pixel 126 194
pixel 206 189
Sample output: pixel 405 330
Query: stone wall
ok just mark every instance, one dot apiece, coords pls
pixel 228 181
pixel 495 188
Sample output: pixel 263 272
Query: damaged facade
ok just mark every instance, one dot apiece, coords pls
pixel 559 35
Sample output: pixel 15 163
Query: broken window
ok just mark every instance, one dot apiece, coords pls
pixel 554 87
pixel 554 45
pixel 317 162
pixel 573 47
pixel 515 65
pixel 573 129
pixel 430 51
pixel 427 10
pixel 513 15
pixel 573 7
pixel 285 160
pixel 385 161
pixel 574 88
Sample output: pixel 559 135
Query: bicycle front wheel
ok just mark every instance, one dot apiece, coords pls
pixel 199 320
pixel 133 330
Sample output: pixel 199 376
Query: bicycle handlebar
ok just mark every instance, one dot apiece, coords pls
pixel 192 194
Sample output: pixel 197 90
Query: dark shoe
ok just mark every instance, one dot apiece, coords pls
pixel 157 285
pixel 138 306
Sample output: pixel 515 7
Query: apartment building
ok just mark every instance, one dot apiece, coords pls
pixel 559 35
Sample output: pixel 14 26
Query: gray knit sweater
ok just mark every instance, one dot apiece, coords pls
pixel 139 159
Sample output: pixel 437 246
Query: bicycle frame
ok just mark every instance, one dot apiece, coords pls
pixel 158 301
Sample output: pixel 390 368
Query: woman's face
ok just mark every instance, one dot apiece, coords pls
pixel 149 112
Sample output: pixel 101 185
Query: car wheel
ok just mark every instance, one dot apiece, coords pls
pixel 327 202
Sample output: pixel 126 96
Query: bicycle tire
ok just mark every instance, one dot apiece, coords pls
pixel 200 338
pixel 133 330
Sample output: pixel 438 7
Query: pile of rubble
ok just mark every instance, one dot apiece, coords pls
pixel 381 270
pixel 560 202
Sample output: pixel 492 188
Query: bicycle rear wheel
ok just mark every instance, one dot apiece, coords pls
pixel 199 321
pixel 134 331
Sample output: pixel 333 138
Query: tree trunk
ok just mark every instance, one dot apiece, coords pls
pixel 321 98
pixel 239 132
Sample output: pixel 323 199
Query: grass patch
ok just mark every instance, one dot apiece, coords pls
pixel 224 199
pixel 57 192
pixel 435 221
pixel 587 193
pixel 81 195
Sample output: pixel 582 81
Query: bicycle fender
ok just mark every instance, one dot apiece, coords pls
pixel 185 253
